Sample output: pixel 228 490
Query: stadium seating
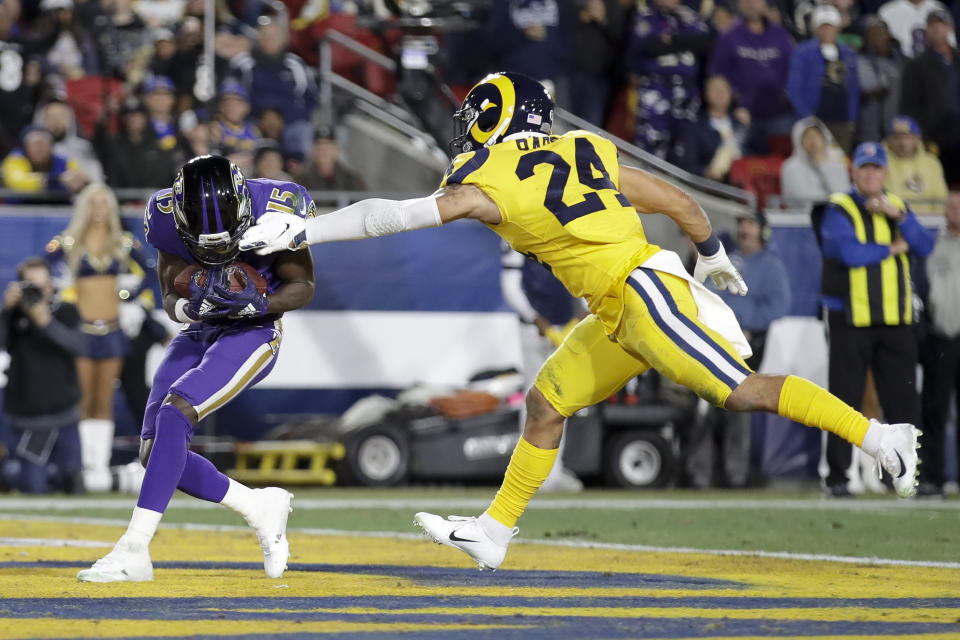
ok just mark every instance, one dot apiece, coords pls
pixel 87 96
pixel 760 175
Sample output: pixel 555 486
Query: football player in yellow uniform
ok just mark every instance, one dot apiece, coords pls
pixel 567 201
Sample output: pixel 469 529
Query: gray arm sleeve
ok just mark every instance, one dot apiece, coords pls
pixel 373 218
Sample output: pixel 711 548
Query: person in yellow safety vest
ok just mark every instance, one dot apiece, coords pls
pixel 866 236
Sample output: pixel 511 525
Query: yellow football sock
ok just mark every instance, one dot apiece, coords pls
pixel 528 468
pixel 814 406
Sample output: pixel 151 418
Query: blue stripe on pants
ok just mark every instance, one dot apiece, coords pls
pixel 675 337
pixel 703 335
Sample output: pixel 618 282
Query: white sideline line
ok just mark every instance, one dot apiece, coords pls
pixel 578 544
pixel 626 504
pixel 51 542
pixel 195 526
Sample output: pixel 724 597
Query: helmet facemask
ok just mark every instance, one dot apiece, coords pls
pixel 218 249
pixel 478 115
pixel 463 119
pixel 211 225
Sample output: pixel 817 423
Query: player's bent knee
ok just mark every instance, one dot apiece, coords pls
pixel 544 425
pixel 183 407
pixel 741 398
pixel 146 446
pixel 540 410
pixel 756 393
pixel 172 424
pixel 736 402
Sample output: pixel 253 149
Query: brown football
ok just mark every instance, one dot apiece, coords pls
pixel 182 283
pixel 237 272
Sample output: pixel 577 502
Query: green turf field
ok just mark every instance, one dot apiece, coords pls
pixel 796 522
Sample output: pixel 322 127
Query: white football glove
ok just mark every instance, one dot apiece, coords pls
pixel 721 270
pixel 274 232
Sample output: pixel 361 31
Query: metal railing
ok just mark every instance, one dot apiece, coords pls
pixel 795 212
pixel 328 80
pixel 659 165
pixel 366 101
pixel 779 201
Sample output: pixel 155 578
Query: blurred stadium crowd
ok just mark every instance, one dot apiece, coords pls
pixel 120 92
pixel 728 90
pixel 769 95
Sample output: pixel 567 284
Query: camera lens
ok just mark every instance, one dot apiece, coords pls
pixel 30 294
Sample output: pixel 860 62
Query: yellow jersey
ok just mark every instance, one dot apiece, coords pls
pixel 560 203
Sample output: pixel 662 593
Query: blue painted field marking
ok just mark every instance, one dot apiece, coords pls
pixel 232 610
pixel 578 613
pixel 153 606
pixel 385 601
pixel 451 576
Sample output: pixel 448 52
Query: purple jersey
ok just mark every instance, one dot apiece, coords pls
pixel 757 66
pixel 649 55
pixel 207 364
pixel 267 196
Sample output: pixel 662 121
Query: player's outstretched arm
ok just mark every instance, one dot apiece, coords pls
pixel 371 218
pixel 649 194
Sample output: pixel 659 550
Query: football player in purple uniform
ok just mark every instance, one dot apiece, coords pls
pixel 229 342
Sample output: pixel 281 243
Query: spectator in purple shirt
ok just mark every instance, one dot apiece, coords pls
pixel 663 57
pixel 754 56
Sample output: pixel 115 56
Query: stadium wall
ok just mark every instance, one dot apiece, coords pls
pixel 425 307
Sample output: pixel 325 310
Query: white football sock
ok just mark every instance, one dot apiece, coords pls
pixel 240 498
pixel 498 532
pixel 143 525
pixel 871 439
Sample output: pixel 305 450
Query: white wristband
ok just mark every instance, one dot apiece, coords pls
pixel 180 311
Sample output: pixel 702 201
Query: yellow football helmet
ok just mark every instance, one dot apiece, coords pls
pixel 498 106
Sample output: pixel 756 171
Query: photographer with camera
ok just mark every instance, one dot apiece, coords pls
pixel 42 398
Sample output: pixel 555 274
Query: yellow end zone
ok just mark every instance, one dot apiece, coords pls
pixel 384 587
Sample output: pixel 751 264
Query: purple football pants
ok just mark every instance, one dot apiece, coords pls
pixel 206 366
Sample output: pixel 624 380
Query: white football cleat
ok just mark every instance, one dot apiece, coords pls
pixel 269 520
pixel 466 534
pixel 126 563
pixel 897 454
